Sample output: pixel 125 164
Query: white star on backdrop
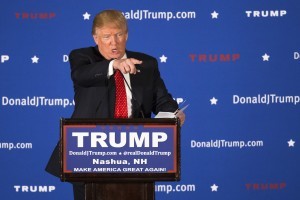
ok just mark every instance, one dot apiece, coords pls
pixel 163 58
pixel 214 15
pixel 86 16
pixel 266 57
pixel 35 59
pixel 291 143
pixel 213 101
pixel 214 188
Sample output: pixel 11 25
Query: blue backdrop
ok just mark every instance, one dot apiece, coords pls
pixel 235 62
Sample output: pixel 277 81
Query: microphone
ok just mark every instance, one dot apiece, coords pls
pixel 133 96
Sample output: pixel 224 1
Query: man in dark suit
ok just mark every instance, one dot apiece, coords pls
pixel 93 72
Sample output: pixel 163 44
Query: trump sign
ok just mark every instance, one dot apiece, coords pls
pixel 126 148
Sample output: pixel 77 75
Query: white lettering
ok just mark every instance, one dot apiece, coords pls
pixel 134 140
pixel 80 136
pixel 179 100
pixel 266 13
pixel 112 140
pixel 235 99
pixel 4 101
pixel 65 58
pixel 283 12
pixel 158 137
pixel 4 58
pixel 296 55
pixel 34 188
pixel 98 137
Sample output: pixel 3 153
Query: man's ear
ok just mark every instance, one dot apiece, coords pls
pixel 95 39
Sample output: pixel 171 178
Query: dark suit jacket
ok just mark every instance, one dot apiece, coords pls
pixel 95 93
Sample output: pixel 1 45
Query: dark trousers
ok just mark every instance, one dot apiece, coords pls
pixel 79 191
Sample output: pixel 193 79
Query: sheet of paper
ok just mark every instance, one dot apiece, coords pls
pixel 165 115
pixel 170 114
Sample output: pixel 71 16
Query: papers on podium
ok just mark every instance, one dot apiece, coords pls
pixel 170 114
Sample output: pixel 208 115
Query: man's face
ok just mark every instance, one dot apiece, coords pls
pixel 111 41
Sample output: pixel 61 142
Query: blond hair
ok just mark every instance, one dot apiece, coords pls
pixel 109 17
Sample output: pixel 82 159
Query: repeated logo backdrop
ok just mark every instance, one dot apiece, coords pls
pixel 237 64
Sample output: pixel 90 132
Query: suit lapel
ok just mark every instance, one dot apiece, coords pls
pixel 137 95
pixel 111 96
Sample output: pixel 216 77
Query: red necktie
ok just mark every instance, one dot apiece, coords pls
pixel 121 98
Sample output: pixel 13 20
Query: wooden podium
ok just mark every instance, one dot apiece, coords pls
pixel 120 158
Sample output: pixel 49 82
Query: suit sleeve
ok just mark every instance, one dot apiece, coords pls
pixel 163 100
pixel 86 70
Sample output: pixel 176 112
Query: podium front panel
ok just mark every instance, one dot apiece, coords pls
pixel 117 150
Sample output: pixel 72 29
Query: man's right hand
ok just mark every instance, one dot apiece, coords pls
pixel 127 65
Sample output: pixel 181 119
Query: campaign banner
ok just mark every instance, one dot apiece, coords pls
pixel 136 148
